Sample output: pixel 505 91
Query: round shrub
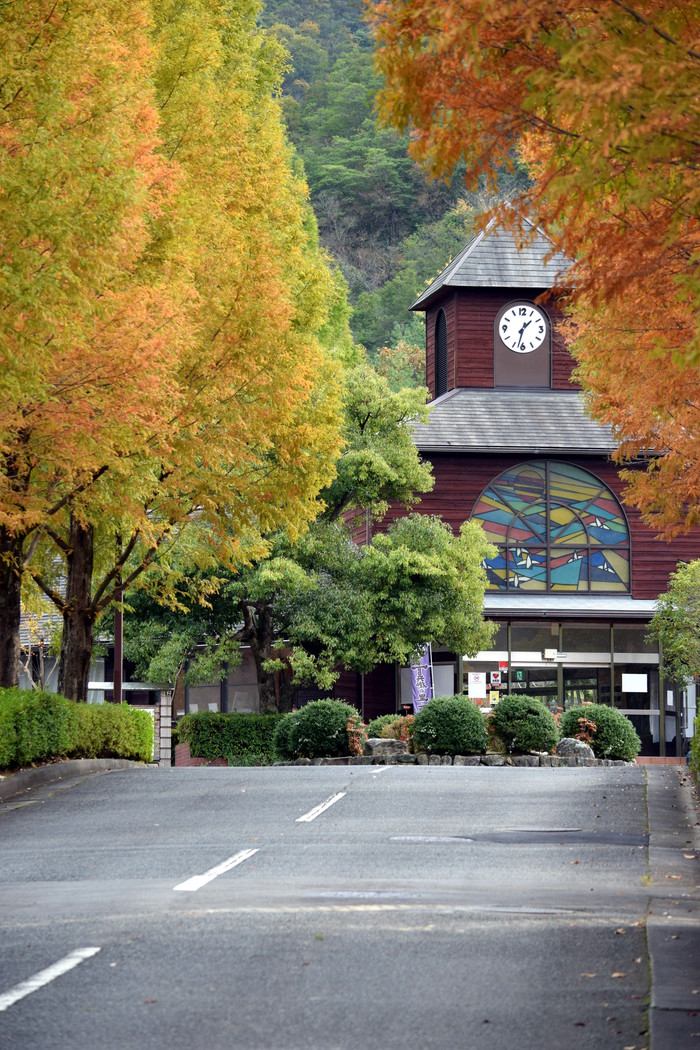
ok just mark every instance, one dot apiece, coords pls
pixel 524 724
pixel 284 740
pixel 376 725
pixel 320 729
pixel 610 733
pixel 400 728
pixel 450 725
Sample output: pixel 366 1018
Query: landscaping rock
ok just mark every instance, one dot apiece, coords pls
pixel 446 760
pixel 570 746
pixel 406 760
pixel 435 760
pixel 421 760
pixel 493 760
pixel 378 747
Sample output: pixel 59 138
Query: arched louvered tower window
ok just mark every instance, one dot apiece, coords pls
pixel 557 528
pixel 440 354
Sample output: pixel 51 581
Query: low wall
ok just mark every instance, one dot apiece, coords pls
pixel 184 758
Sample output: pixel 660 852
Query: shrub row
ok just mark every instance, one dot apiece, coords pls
pixel 456 726
pixel 446 726
pixel 40 726
pixel 242 739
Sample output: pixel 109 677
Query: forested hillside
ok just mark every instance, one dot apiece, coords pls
pixel 387 227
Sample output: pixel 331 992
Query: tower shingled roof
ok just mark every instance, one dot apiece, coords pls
pixel 497 258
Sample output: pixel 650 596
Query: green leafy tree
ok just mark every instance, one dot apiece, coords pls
pixel 323 604
pixel 324 601
pixel 676 623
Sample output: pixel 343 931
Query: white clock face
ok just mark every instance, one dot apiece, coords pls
pixel 522 328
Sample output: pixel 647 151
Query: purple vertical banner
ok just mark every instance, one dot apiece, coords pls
pixel 421 680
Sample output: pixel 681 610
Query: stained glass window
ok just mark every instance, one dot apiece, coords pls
pixel 557 528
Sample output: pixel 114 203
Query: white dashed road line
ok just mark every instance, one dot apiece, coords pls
pixel 43 977
pixel 317 810
pixel 197 881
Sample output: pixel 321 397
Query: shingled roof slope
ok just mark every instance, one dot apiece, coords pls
pixel 512 421
pixel 496 258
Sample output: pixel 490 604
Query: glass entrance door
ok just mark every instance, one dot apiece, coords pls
pixel 540 682
pixel 586 685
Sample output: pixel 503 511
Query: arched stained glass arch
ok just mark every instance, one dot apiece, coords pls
pixel 557 528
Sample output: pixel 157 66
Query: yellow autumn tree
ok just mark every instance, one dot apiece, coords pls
pixel 244 423
pixel 87 341
pixel 601 100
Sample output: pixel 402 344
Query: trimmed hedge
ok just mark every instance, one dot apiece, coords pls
pixel 41 726
pixel 614 735
pixel 451 725
pixel 317 730
pixel 114 731
pixel 242 739
pixel 524 724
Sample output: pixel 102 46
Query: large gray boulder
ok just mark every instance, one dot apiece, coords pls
pixel 379 747
pixel 570 747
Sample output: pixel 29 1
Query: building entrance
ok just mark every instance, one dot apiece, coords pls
pixel 566 664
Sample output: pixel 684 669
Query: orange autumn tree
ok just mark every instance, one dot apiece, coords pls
pixel 87 339
pixel 252 427
pixel 601 100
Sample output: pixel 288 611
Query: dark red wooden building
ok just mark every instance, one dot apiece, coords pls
pixel 573 585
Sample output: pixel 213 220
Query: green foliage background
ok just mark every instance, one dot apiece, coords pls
pixel 388 227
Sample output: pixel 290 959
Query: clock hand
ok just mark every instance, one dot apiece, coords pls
pixel 520 333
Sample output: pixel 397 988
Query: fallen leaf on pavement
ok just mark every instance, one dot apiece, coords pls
pixel 619 974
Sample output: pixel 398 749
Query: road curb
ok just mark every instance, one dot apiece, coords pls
pixel 13 784
pixel 673 922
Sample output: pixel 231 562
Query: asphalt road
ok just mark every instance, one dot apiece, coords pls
pixel 422 907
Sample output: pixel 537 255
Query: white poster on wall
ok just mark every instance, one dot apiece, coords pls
pixel 477 685
pixel 634 683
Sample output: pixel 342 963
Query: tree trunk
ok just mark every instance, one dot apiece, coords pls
pixel 275 692
pixel 79 616
pixel 10 607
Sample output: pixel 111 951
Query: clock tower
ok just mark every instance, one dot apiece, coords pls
pixel 490 321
